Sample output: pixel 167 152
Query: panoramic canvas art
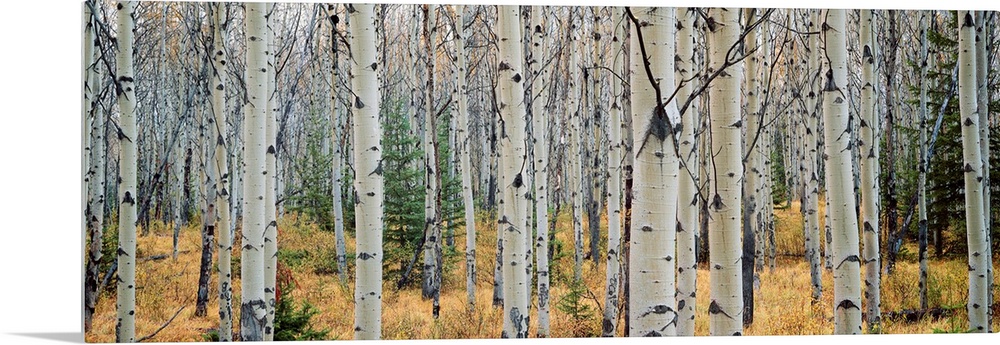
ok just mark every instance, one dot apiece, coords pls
pixel 313 171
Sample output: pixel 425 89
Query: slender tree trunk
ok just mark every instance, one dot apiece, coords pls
pixel 576 148
pixel 127 217
pixel 515 200
pixel 432 229
pixel 922 178
pixel 95 204
pixel 839 167
pixel 465 155
pixel 225 244
pixel 983 100
pixel 369 181
pixel 726 306
pixel 751 251
pixel 177 173
pixel 591 111
pixel 253 311
pixel 271 186
pixel 811 196
pixel 652 292
pixel 338 149
pixel 979 253
pixel 895 236
pixel 209 220
pixel 612 273
pixel 688 206
pixel 869 171
pixel 540 115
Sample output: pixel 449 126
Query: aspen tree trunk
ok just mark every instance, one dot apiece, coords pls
pixel 253 311
pixel 208 215
pixel 921 179
pixel 177 173
pixel 869 171
pixel 687 200
pixel 125 90
pixel 498 276
pixel 839 167
pixel 208 219
pixel 811 196
pixel 540 115
pixel 465 158
pixel 982 96
pixel 576 148
pixel 207 185
pixel 766 210
pixel 432 229
pixel 895 238
pixel 609 327
pixel 367 162
pixel 88 60
pixel 652 289
pixel 225 244
pixel 751 252
pixel 726 307
pixel 591 129
pixel 270 181
pixel 979 253
pixel 515 197
pixel 338 136
pixel 95 206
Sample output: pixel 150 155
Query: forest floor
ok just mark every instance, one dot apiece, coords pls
pixel 782 303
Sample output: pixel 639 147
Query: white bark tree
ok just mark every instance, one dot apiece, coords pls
pixel 338 136
pixel 811 194
pixel 869 147
pixel 725 310
pixel 983 100
pixel 979 252
pixel 652 304
pixel 432 177
pixel 465 160
pixel 540 121
pixel 95 174
pixel 253 311
pixel 921 179
pixel 270 180
pixel 839 167
pixel 687 203
pixel 515 197
pixel 576 137
pixel 225 244
pixel 609 326
pixel 127 135
pixel 369 180
pixel 752 165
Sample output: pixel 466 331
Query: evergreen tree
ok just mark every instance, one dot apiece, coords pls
pixel 315 198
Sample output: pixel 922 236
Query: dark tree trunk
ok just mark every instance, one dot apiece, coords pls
pixel 627 244
pixel 204 273
pixel 497 271
pixel 749 244
pixel 185 205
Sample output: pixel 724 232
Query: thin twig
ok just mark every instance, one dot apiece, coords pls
pixel 165 324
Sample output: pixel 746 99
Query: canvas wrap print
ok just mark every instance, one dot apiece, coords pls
pixel 314 171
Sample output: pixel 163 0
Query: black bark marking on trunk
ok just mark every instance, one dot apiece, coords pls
pixel 251 327
pixel 850 258
pixel 714 308
pixel 847 304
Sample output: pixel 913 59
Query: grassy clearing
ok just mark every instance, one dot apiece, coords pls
pixel 783 303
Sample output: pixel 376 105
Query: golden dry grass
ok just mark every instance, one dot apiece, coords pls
pixel 782 304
